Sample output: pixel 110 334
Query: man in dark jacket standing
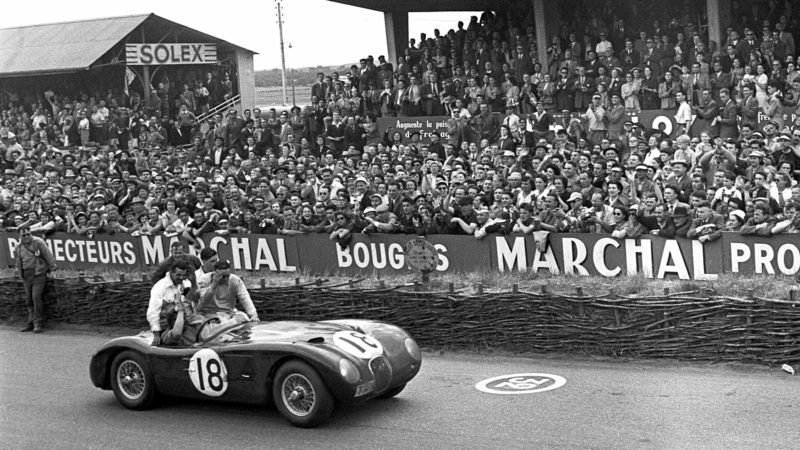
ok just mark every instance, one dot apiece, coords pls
pixel 34 263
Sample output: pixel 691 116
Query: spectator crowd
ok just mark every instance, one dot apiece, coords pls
pixel 533 143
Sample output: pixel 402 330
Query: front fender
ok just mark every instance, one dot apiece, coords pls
pixel 100 365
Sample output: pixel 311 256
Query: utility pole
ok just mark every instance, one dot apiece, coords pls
pixel 283 55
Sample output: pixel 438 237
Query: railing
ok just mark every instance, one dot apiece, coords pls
pixel 221 107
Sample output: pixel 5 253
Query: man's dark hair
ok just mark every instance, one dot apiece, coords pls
pixel 207 253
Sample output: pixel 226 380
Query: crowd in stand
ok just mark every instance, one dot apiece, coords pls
pixel 532 144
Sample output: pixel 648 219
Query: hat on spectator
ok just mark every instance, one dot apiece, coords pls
pixel 680 211
pixel 369 209
pixel 756 154
pixel 641 167
pixel 773 123
pixel 596 96
pixel 69 173
pixel 377 195
pixel 10 172
pixel 382 208
pixel 509 154
pixel 574 196
pixel 679 161
pixel 361 179
pixel 628 122
pixel 758 135
pixel 279 169
pixel 465 200
pixel 482 210
pixel 783 137
pixel 738 213
pixel 100 196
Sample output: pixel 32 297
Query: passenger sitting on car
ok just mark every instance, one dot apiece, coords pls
pixel 219 299
pixel 190 328
pixel 165 295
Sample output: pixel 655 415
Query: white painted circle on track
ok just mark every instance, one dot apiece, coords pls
pixel 208 373
pixel 521 383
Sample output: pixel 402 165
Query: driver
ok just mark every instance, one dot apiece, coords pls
pixel 224 291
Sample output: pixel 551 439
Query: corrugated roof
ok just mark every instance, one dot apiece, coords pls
pixel 62 46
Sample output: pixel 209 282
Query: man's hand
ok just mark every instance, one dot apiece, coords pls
pixel 216 277
pixel 156 339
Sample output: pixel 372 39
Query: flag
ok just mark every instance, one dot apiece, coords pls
pixel 129 77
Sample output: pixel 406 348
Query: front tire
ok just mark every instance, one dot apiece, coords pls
pixel 300 395
pixel 132 381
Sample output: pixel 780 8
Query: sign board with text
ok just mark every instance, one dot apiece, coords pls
pixel 170 54
pixel 566 253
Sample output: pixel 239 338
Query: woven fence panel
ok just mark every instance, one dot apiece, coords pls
pixel 681 325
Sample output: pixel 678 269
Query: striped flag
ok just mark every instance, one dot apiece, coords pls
pixel 129 77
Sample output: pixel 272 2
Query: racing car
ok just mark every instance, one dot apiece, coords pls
pixel 305 368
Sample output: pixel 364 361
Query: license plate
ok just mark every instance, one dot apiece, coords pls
pixel 364 389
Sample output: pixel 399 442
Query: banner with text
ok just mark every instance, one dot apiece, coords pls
pixel 571 254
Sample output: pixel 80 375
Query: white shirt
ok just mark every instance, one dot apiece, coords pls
pixel 684 116
pixel 163 290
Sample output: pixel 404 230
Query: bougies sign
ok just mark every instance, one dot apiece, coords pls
pixel 166 54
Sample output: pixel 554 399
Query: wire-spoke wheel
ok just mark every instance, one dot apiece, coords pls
pixel 132 380
pixel 300 394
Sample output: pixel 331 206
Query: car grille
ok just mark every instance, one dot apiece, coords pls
pixel 382 371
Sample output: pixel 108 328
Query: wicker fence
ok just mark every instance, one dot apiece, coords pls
pixel 685 325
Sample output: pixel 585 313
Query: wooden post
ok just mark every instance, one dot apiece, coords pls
pixel 451 288
pixel 544 289
pixel 122 278
pixel 613 296
pixel 581 307
pixel 381 284
pixel 793 295
pixel 479 289
pixel 515 288
pixel 297 281
pixel 263 283
pixel 144 277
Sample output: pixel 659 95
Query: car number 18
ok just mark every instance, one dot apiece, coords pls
pixel 358 344
pixel 208 373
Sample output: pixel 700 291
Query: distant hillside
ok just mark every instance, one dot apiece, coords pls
pixel 302 76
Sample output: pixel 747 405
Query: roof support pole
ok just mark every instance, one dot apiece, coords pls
pixel 541 32
pixel 718 14
pixel 396 24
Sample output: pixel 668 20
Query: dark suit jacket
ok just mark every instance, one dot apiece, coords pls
pixel 728 120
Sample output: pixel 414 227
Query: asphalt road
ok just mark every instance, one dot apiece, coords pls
pixel 48 401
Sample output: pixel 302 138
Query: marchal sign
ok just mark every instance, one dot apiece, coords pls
pixel 169 54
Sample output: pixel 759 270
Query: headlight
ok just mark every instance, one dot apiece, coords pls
pixel 348 370
pixel 413 349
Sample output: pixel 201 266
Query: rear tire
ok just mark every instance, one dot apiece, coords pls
pixel 393 392
pixel 300 395
pixel 132 381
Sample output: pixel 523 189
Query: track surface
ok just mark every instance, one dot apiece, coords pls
pixel 48 401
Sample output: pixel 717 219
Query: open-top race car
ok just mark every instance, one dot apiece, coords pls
pixel 305 368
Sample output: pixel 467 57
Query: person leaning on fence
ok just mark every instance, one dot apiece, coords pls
pixel 34 263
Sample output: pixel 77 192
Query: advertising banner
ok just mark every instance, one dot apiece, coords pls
pixel 565 253
pixel 170 54
pixel 407 126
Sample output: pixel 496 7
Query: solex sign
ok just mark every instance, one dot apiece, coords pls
pixel 521 383
pixel 147 54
